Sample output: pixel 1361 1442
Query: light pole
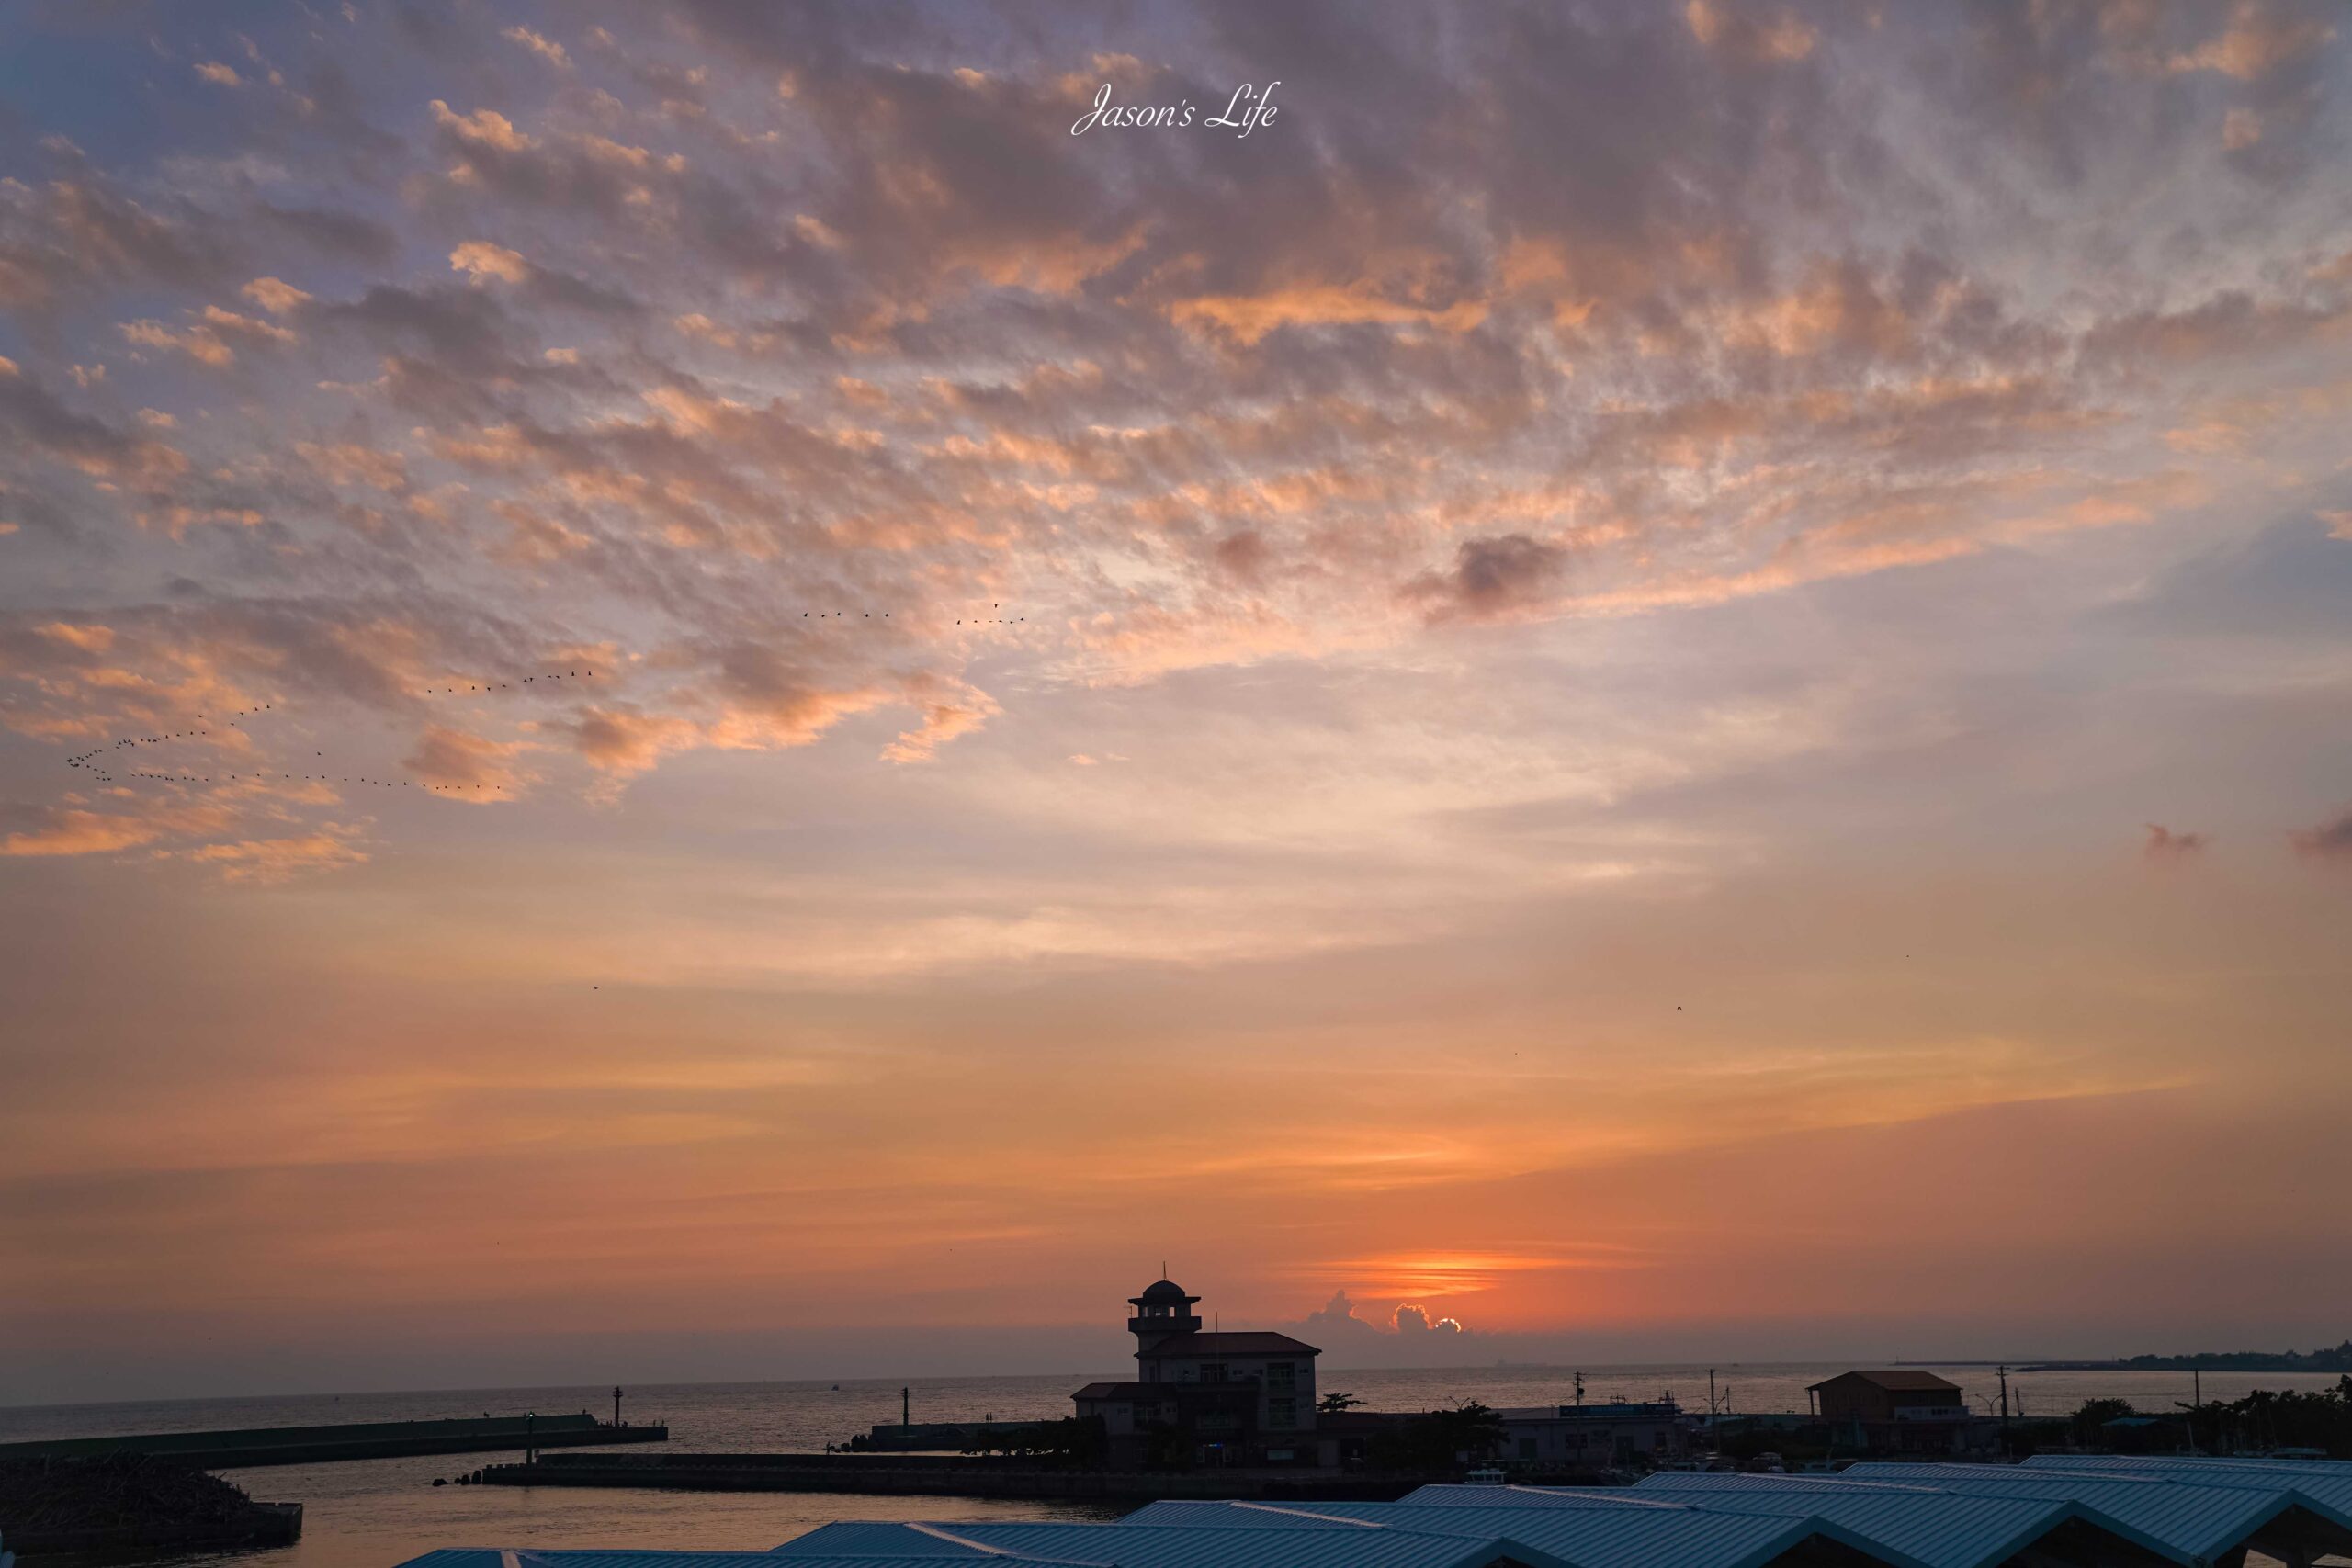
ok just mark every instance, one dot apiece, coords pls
pixel 617 1405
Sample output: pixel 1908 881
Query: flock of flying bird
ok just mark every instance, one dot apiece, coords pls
pixel 961 621
pixel 99 770
pixel 510 685
pixel 94 762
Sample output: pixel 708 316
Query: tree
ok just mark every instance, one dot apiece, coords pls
pixel 1334 1402
pixel 1073 1440
pixel 1440 1441
pixel 2095 1414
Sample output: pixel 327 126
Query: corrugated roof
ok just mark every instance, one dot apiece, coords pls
pixel 1936 1529
pixel 2195 1511
pixel 2190 1523
pixel 1153 1546
pixel 1453 1495
pixel 480 1557
pixel 1239 1516
pixel 1630 1535
pixel 871 1538
pixel 919 1563
pixel 2322 1487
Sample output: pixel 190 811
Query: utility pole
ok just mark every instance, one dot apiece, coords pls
pixel 906 1419
pixel 530 1437
pixel 2196 1400
pixel 2004 1411
pixel 1714 1424
pixel 617 1405
pixel 1580 1391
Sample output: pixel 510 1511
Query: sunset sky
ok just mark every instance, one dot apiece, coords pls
pixel 1665 681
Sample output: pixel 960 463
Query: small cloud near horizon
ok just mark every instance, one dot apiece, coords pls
pixel 1407 1320
pixel 2331 840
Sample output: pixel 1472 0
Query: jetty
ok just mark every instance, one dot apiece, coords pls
pixel 372 1440
pixel 939 1475
pixel 127 1505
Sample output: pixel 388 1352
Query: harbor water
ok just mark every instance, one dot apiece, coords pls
pixel 376 1513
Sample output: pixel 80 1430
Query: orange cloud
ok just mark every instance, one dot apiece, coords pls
pixel 72 833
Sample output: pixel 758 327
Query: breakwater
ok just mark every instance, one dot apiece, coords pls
pixel 941 1475
pixel 373 1439
pixel 129 1504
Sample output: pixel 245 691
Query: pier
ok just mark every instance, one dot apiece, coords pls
pixel 940 1475
pixel 375 1439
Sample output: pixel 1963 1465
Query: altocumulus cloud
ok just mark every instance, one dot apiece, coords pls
pixel 646 332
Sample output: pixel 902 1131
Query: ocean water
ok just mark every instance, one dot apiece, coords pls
pixel 377 1513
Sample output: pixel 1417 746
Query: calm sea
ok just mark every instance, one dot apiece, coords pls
pixel 376 1513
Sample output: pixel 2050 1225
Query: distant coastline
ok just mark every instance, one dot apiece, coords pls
pixel 2338 1359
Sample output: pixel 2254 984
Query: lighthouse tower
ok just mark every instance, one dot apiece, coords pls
pixel 1162 1313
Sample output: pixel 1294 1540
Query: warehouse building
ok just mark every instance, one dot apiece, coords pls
pixel 2104 1512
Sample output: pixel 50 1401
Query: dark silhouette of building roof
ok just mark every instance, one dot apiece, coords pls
pixel 1124 1391
pixel 1900 1379
pixel 1237 1343
pixel 1162 1290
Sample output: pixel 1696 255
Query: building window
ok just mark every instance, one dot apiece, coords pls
pixel 1212 1372
pixel 1282 1413
pixel 1281 1374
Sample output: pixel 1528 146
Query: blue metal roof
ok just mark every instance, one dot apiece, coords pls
pixel 1934 1529
pixel 1918 1529
pixel 2323 1487
pixel 1240 1516
pixel 2196 1512
pixel 1126 1545
pixel 1453 1495
pixel 1623 1533
pixel 872 1537
pixel 1153 1546
pixel 480 1557
pixel 2191 1524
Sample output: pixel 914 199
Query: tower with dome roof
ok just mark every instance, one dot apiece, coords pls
pixel 1162 1312
pixel 1230 1397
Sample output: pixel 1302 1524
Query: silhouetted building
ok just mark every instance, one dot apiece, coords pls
pixel 1898 1411
pixel 1593 1437
pixel 1206 1398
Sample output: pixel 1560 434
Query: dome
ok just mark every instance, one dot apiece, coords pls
pixel 1164 1290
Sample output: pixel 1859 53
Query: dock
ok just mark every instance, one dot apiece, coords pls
pixel 938 1475
pixel 374 1440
